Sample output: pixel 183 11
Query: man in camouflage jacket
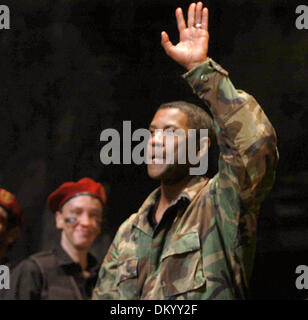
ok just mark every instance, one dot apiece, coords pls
pixel 194 238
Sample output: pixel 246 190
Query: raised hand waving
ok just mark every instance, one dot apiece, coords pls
pixel 194 37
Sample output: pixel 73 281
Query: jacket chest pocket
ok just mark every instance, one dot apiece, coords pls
pixel 181 265
pixel 126 279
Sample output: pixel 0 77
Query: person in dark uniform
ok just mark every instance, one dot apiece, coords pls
pixel 69 272
pixel 11 222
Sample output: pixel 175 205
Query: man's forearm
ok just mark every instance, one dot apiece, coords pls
pixel 212 84
pixel 245 136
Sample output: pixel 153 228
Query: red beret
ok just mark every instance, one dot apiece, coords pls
pixel 12 207
pixel 68 190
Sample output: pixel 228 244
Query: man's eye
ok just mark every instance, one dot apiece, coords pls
pixel 94 216
pixel 169 131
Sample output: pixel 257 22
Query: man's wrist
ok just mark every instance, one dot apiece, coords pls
pixel 194 65
pixel 207 67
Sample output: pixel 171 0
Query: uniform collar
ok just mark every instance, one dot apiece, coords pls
pixel 65 260
pixel 189 192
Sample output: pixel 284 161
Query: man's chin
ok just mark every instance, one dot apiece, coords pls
pixel 157 171
pixel 82 246
pixel 166 173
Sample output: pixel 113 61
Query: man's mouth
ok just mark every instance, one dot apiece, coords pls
pixel 84 233
pixel 158 159
pixel 159 154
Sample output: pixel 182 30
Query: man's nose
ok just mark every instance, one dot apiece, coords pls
pixel 84 219
pixel 158 138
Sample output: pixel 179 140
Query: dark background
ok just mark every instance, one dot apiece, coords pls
pixel 70 69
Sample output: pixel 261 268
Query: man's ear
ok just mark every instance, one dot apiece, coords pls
pixel 12 234
pixel 205 143
pixel 59 220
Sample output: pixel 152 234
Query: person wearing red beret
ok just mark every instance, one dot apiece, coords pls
pixel 11 222
pixel 69 272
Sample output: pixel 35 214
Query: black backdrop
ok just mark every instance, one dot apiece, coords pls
pixel 70 69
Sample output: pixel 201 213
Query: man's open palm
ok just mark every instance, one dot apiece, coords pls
pixel 194 37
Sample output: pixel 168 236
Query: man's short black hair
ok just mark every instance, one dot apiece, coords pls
pixel 197 117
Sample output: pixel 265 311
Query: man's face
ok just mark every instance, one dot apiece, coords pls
pixel 167 120
pixel 80 220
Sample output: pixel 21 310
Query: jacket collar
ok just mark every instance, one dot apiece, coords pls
pixel 65 260
pixel 189 192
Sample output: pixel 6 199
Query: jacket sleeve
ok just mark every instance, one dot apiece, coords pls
pixel 26 282
pixel 247 143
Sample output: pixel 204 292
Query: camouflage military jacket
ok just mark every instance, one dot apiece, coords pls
pixel 203 248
